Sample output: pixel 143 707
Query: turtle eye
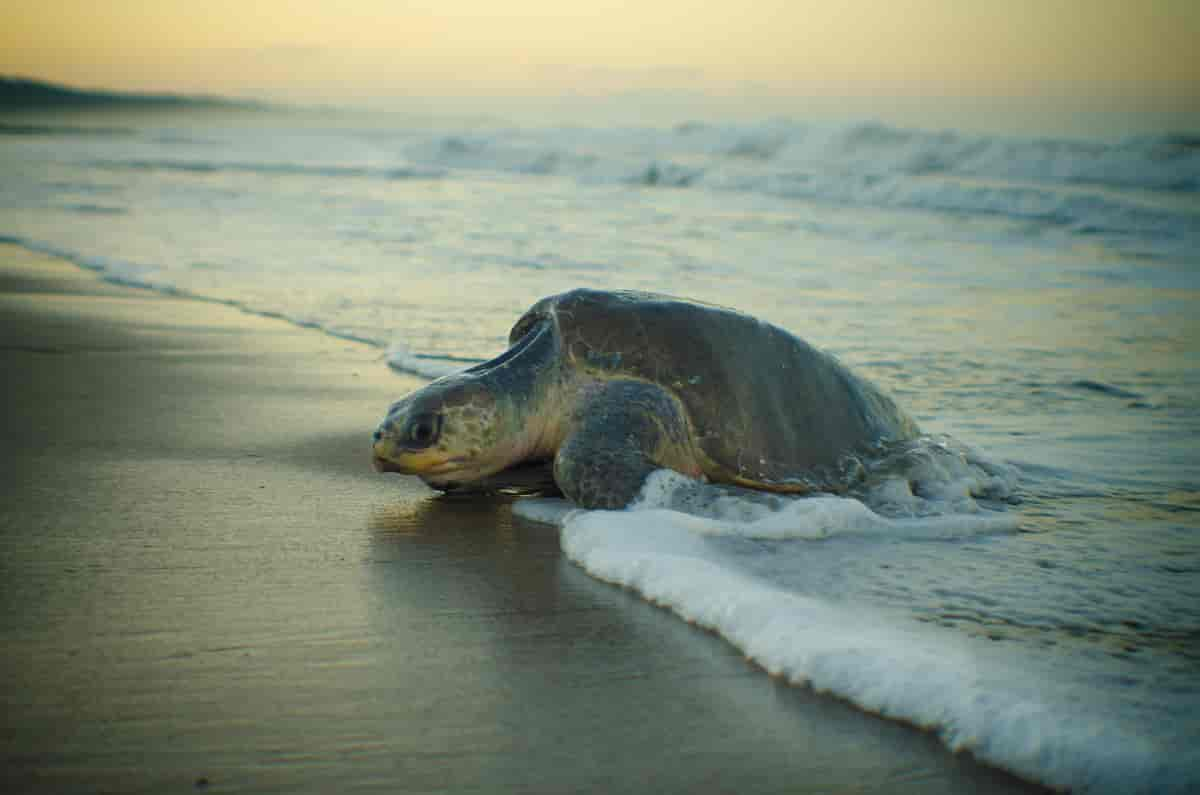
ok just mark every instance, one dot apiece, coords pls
pixel 422 430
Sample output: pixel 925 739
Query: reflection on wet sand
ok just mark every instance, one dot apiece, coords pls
pixel 531 675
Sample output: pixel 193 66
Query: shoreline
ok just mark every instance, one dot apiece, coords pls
pixel 202 580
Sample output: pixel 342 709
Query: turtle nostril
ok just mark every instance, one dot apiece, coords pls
pixel 377 435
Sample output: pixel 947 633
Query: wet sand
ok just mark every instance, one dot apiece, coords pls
pixel 204 587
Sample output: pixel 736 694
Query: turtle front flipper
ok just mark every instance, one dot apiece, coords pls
pixel 621 434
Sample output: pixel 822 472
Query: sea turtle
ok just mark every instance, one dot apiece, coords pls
pixel 608 386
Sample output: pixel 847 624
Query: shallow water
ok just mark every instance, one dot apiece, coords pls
pixel 1031 298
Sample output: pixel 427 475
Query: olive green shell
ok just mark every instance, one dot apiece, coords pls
pixel 766 408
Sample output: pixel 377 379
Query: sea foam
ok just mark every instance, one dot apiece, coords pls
pixel 400 358
pixel 719 558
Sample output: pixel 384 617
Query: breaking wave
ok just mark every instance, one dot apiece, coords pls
pixel 1142 188
pixel 1160 163
pixel 1121 189
pixel 271 169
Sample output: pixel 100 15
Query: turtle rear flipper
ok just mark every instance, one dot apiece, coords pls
pixel 624 431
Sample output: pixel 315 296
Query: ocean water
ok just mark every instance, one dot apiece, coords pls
pixel 1029 589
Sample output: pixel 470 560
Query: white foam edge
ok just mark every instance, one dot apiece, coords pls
pixel 973 699
pixel 400 358
pixel 976 697
pixel 814 517
pixel 128 274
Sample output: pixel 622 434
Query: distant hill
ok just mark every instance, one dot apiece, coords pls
pixel 17 93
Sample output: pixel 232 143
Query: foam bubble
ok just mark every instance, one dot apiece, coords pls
pixel 1002 707
pixel 927 489
pixel 546 510
pixel 698 550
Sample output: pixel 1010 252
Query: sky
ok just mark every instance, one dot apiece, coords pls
pixel 654 57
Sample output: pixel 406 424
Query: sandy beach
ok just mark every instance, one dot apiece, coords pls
pixel 204 586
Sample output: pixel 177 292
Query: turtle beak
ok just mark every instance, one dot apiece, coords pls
pixel 387 455
pixel 381 464
pixel 381 449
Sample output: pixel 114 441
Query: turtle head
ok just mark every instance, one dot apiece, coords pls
pixel 463 428
pixel 453 432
